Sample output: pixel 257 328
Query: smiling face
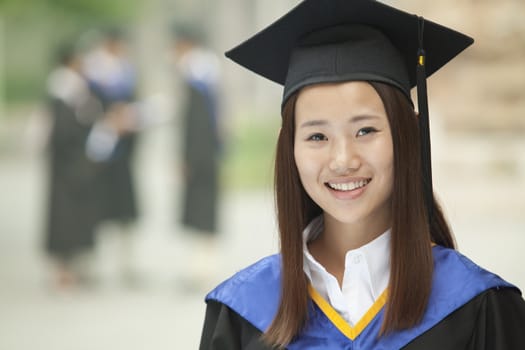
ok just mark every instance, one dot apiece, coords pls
pixel 344 153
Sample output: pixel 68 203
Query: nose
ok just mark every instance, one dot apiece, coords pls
pixel 344 158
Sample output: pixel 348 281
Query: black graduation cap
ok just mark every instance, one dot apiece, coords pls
pixel 322 41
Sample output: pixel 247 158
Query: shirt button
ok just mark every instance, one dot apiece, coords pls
pixel 357 259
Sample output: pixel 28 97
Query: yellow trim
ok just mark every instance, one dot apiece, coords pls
pixel 340 322
pixel 421 60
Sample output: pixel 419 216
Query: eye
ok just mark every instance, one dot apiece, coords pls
pixel 365 131
pixel 317 137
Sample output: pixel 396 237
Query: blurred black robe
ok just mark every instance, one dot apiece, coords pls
pixel 72 214
pixel 201 150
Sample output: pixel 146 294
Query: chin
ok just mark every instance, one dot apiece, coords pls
pixel 344 218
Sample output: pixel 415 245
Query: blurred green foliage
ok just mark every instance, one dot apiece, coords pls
pixel 91 9
pixel 33 29
pixel 250 154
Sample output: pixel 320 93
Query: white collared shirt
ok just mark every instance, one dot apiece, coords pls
pixel 367 271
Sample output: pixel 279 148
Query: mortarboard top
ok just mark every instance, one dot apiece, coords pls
pixel 322 41
pixel 269 52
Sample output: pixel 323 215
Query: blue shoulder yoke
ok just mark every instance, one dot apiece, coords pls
pixel 254 294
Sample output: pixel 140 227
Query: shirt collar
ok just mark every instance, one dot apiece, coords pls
pixel 376 253
pixel 311 232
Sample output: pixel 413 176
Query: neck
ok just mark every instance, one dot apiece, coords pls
pixel 338 238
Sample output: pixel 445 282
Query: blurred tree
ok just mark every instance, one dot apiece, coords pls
pixel 34 28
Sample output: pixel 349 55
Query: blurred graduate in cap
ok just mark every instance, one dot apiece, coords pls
pixel 200 72
pixel 199 69
pixel 71 210
pixel 112 77
pixel 367 260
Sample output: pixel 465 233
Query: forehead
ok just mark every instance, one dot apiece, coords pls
pixel 353 97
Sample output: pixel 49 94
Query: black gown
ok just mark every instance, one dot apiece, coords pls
pixel 114 187
pixel 494 320
pixel 469 308
pixel 72 213
pixel 201 151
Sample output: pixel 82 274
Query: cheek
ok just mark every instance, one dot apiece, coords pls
pixel 388 169
pixel 390 177
pixel 387 160
pixel 306 166
pixel 383 161
pixel 387 155
pixel 300 160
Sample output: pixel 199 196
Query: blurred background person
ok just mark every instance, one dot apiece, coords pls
pixel 111 143
pixel 71 219
pixel 201 149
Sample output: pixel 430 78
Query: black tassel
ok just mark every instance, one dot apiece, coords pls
pixel 424 127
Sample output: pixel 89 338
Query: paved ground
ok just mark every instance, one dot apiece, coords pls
pixel 160 312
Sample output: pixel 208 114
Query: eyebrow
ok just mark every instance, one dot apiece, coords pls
pixel 354 119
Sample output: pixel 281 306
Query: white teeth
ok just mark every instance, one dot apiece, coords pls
pixel 349 186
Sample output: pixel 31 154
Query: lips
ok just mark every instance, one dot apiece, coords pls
pixel 348 186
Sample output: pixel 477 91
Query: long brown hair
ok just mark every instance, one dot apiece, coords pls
pixel 411 255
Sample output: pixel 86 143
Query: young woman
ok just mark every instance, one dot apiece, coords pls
pixel 367 260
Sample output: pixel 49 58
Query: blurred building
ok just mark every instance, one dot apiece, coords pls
pixel 485 91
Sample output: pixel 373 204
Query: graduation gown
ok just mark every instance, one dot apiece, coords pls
pixel 469 308
pixel 114 186
pixel 201 150
pixel 72 214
